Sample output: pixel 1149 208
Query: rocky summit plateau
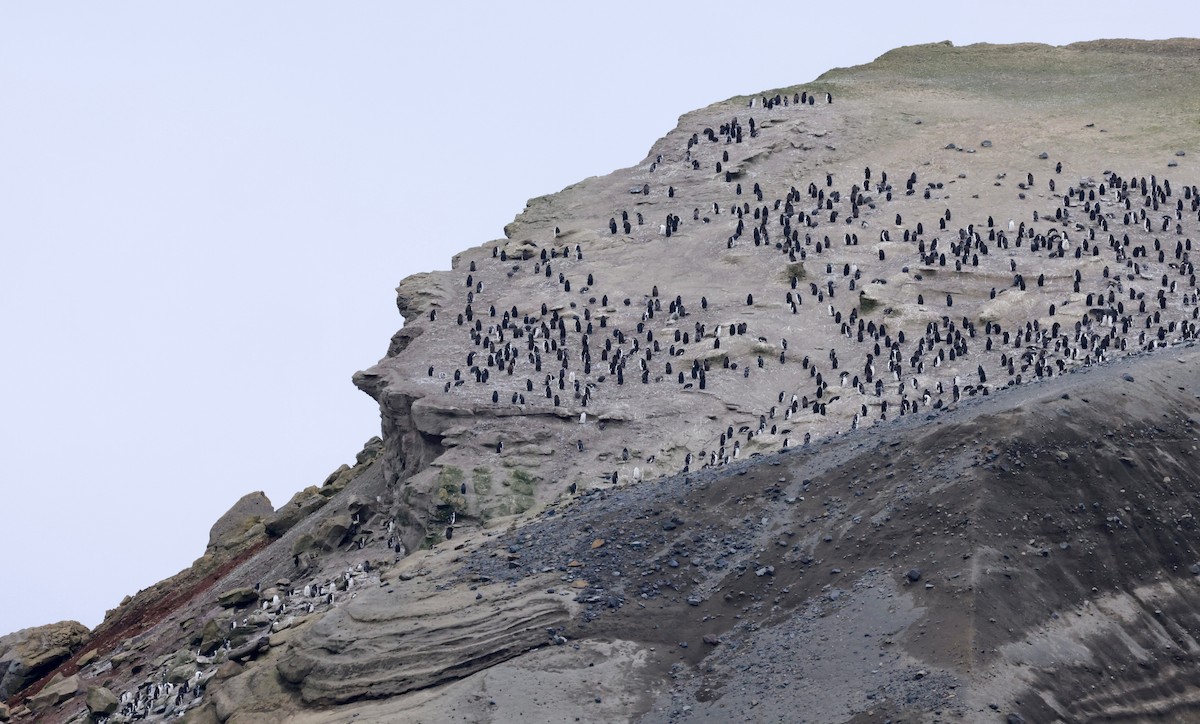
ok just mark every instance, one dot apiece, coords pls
pixel 874 398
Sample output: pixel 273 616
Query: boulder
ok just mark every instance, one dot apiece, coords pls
pixel 180 665
pixel 181 673
pixel 206 714
pixel 332 533
pixel 303 504
pixel 214 633
pixel 333 477
pixel 370 451
pixel 218 630
pixel 302 544
pixel 227 670
pixel 55 693
pixel 253 695
pixel 251 648
pixel 101 701
pixel 232 527
pixel 237 597
pixel 328 536
pixel 28 654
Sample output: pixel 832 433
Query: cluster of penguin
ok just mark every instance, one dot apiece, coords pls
pixel 156 697
pixel 1106 272
pixel 153 698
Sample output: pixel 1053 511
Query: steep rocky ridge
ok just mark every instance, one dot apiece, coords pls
pixel 437 411
pixel 879 478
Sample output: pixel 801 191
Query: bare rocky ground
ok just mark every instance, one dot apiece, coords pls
pixel 878 479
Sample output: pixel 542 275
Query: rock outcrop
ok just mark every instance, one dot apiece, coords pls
pixel 101 702
pixel 27 654
pixel 241 523
pixel 56 693
pixel 371 648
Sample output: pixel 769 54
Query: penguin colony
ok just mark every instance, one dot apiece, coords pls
pixel 155 696
pixel 1093 270
pixel 889 314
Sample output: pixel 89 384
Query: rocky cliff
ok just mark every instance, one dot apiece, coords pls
pixel 876 393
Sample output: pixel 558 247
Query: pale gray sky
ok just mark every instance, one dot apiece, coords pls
pixel 205 208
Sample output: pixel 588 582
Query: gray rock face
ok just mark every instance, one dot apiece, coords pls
pixel 101 701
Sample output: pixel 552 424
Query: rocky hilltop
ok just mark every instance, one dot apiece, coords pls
pixel 870 398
